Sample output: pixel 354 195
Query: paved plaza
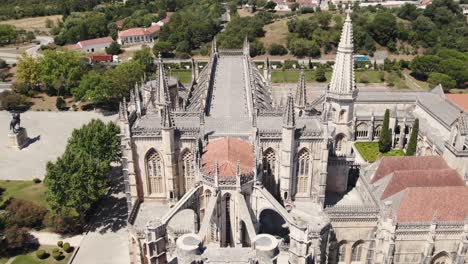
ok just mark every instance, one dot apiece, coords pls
pixel 48 131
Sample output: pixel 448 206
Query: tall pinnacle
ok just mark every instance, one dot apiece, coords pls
pixel 166 117
pixel 162 89
pixel 343 72
pixel 289 116
pixel 301 98
pixel 246 46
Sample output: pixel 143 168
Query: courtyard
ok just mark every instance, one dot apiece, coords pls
pixel 48 133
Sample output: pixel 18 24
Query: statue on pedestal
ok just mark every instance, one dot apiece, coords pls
pixel 18 138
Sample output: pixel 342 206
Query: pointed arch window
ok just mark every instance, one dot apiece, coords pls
pixel 341 252
pixel 342 115
pixel 357 251
pixel 303 164
pixel 269 166
pixel 154 169
pixel 377 131
pixel 340 144
pixel 188 170
pixel 362 130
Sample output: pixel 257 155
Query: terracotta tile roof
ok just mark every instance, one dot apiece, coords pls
pixel 139 31
pixel 95 41
pixel 388 165
pixel 421 178
pixel 120 23
pixel 227 151
pixel 459 99
pixel 72 47
pixel 168 17
pixel 421 203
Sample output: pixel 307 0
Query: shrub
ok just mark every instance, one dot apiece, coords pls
pixel 446 81
pixel 63 224
pixel 12 101
pixel 37 180
pixel 55 250
pixel 17 238
pixel 277 49
pixel 60 243
pixel 60 103
pixel 363 78
pixel 320 75
pixel 67 247
pixel 113 49
pixel 57 255
pixel 41 254
pixel 290 64
pixel 25 214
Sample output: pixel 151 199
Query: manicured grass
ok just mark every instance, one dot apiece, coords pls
pixel 293 76
pixel 184 76
pixel 370 151
pixel 31 258
pixel 26 190
pixel 372 76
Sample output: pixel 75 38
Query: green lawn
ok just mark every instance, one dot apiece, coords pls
pixel 293 76
pixel 184 76
pixel 3 260
pixel 26 190
pixel 370 151
pixel 32 259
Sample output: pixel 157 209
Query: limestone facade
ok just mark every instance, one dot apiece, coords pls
pixel 264 183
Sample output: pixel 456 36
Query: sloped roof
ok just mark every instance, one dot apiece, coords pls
pixel 460 100
pixel 388 165
pixel 227 152
pixel 400 180
pixel 139 31
pixel 420 204
pixel 95 41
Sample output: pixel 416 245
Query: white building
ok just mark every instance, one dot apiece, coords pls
pixel 138 35
pixel 91 45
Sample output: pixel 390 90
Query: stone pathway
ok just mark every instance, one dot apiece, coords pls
pixel 49 131
pixel 107 239
pixel 51 239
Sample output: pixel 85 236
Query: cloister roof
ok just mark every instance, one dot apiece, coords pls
pixel 227 152
pixel 422 204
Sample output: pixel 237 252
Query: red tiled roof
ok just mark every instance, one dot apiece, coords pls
pixel 95 41
pixel 390 164
pixel 420 204
pixel 421 178
pixel 227 152
pixel 139 31
pixel 120 23
pixel 168 17
pixel 459 99
pixel 72 47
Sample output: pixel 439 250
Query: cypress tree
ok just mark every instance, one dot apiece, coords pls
pixel 385 140
pixel 413 141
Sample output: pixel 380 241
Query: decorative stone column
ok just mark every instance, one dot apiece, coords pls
pixel 156 242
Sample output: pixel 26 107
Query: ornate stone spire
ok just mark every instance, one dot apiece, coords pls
pixel 342 81
pixel 289 117
pixel 162 88
pixel 246 47
pixel 301 97
pixel 166 117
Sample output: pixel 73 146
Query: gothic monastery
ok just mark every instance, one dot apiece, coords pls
pixel 219 173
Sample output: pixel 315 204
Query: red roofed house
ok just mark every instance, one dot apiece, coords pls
pixel 91 45
pixel 138 35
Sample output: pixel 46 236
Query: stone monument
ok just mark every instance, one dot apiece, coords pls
pixel 17 137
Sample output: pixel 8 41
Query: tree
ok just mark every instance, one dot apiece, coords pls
pixel 61 71
pixel 25 214
pixel 383 28
pixel 114 48
pixel 413 141
pixel 28 71
pixel 256 48
pixel 422 66
pixel 77 180
pixel 60 104
pixel 8 34
pixel 320 74
pixel 446 81
pixel 270 5
pixel 408 12
pixel 94 87
pixel 12 101
pixel 277 49
pixel 295 6
pixel 145 58
pixel 385 140
pixel 324 19
pixel 162 47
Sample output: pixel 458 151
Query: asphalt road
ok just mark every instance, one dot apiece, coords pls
pixel 11 58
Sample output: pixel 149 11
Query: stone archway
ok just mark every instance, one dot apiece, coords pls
pixel 353 176
pixel 272 223
pixel 441 258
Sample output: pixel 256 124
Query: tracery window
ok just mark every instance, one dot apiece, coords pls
pixel 357 251
pixel 340 144
pixel 155 172
pixel 362 131
pixel 341 253
pixel 269 166
pixel 303 171
pixel 441 258
pixel 377 131
pixel 188 170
